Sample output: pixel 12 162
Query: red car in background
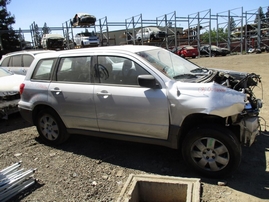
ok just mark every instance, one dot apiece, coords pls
pixel 187 51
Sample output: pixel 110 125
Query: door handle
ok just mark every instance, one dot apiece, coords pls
pixel 103 93
pixel 56 90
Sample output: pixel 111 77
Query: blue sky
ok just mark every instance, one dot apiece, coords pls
pixel 57 12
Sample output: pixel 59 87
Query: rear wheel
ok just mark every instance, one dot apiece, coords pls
pixel 50 127
pixel 212 151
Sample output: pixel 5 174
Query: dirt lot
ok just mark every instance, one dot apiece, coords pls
pixel 93 169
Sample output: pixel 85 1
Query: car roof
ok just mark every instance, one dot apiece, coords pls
pixel 52 36
pixel 81 14
pixel 33 52
pixel 103 49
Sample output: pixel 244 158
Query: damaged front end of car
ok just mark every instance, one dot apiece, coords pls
pixel 248 120
pixel 8 103
pixel 217 93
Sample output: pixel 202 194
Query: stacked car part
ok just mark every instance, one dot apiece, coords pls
pixel 14 180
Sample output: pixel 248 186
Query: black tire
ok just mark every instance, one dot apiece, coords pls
pixel 50 127
pixel 213 151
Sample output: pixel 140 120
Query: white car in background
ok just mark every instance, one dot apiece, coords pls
pixel 86 39
pixel 150 34
pixel 9 92
pixel 19 62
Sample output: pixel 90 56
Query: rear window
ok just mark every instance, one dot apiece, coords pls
pixel 43 69
pixel 5 62
pixel 27 60
pixel 16 61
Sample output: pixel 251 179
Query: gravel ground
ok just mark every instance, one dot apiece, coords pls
pixel 95 169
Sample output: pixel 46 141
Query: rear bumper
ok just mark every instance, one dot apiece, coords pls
pixel 27 115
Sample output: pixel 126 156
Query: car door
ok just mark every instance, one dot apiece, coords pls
pixel 125 107
pixel 146 32
pixel 78 39
pixel 71 93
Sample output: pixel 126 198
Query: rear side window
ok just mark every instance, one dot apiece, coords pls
pixel 5 62
pixel 16 61
pixel 75 69
pixel 27 60
pixel 43 69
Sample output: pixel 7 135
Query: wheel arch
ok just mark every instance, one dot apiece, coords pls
pixel 198 119
pixel 40 107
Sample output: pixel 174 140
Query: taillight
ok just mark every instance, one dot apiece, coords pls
pixel 22 88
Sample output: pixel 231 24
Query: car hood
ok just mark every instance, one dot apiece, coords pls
pixel 224 93
pixel 10 85
pixel 207 98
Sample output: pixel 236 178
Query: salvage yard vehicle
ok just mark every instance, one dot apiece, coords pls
pixel 85 39
pixel 144 94
pixel 215 50
pixel 150 34
pixel 52 42
pixel 19 61
pixel 83 20
pixel 9 92
pixel 186 51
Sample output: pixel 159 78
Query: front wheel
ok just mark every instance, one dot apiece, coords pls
pixel 50 127
pixel 212 151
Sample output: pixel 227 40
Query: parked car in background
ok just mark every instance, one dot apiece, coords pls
pixel 215 50
pixel 19 61
pixel 9 92
pixel 187 51
pixel 150 34
pixel 145 94
pixel 86 39
pixel 52 42
pixel 83 20
pixel 225 51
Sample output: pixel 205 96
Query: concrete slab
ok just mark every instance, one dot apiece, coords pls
pixel 160 188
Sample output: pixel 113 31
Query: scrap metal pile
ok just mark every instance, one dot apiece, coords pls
pixel 14 180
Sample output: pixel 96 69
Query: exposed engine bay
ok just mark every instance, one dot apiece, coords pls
pixel 242 82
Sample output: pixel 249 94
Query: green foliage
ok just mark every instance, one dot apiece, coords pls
pixel 8 38
pixel 216 35
pixel 259 15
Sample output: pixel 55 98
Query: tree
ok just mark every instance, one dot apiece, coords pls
pixel 267 15
pixel 232 23
pixel 46 29
pixel 260 15
pixel 8 38
pixel 216 35
pixel 37 36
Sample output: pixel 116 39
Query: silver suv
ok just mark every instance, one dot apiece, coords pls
pixel 144 94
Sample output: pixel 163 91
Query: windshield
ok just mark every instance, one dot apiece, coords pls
pixel 172 65
pixel 88 34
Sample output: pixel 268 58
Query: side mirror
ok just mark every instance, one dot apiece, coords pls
pixel 147 81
